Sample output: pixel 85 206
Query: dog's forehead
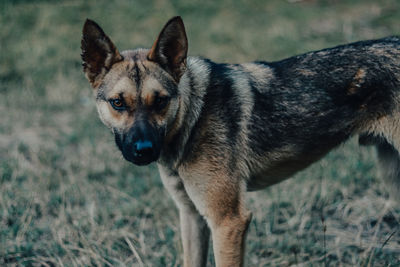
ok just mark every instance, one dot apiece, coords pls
pixel 124 85
pixel 127 76
pixel 117 82
pixel 134 75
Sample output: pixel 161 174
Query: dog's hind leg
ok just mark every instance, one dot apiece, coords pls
pixel 389 159
pixel 195 233
pixel 384 133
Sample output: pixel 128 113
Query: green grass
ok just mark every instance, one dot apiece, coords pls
pixel 68 198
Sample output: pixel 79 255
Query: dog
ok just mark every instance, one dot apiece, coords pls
pixel 219 130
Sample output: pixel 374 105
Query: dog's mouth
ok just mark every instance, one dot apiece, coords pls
pixel 141 162
pixel 142 157
pixel 141 145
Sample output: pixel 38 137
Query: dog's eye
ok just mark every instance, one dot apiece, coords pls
pixel 160 102
pixel 117 104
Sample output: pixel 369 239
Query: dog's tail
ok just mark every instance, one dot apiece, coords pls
pixel 389 159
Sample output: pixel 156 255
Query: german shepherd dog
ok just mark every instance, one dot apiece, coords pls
pixel 217 130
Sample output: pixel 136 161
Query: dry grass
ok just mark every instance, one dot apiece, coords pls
pixel 68 198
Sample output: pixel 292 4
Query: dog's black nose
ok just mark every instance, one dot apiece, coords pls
pixel 143 149
pixel 141 145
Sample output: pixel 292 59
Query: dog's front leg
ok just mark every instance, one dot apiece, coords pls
pixel 195 236
pixel 220 199
pixel 195 233
pixel 229 240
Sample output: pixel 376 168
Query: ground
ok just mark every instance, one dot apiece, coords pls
pixel 67 197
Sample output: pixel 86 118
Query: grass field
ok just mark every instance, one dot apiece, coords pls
pixel 67 198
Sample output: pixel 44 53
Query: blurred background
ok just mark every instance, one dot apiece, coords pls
pixel 67 197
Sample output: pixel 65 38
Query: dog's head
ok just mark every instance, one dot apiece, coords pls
pixel 136 90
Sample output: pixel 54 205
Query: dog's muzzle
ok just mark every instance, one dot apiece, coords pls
pixel 141 145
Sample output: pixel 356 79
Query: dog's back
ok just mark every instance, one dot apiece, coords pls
pixel 277 118
pixel 316 101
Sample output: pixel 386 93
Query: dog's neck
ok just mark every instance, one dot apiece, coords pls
pixel 191 90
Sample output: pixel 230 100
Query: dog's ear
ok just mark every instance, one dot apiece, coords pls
pixel 98 52
pixel 170 48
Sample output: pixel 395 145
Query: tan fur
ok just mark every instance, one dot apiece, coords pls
pixel 194 229
pixel 389 127
pixel 357 82
pixel 151 87
pixel 221 202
